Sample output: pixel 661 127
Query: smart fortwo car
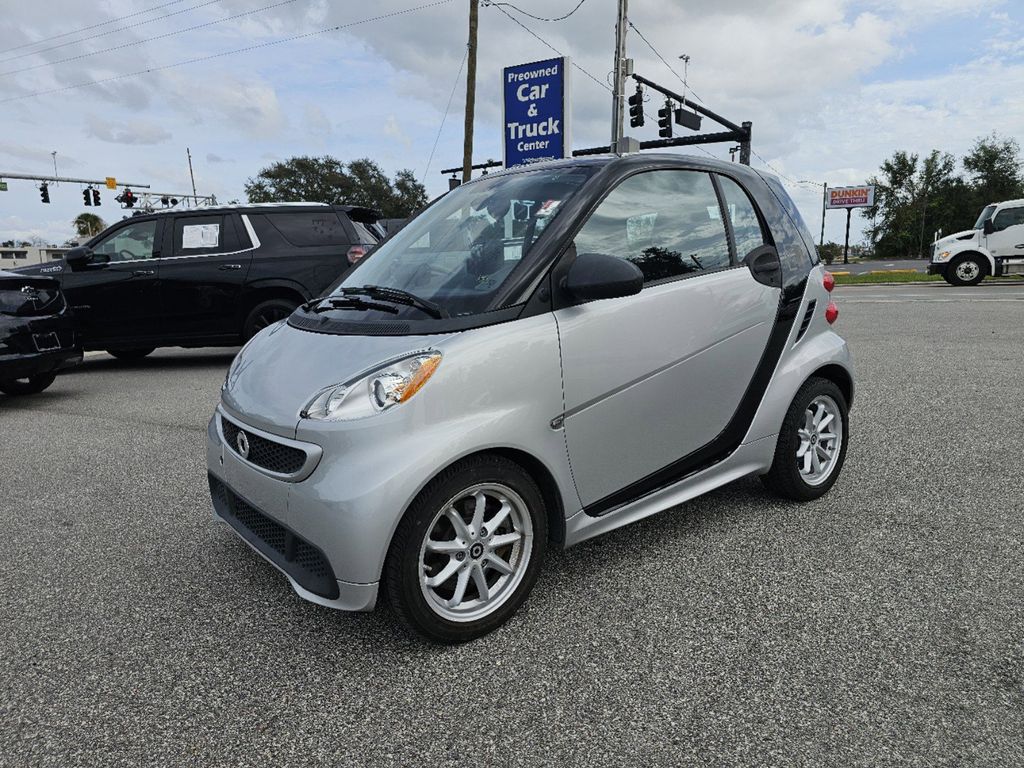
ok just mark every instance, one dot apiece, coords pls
pixel 543 355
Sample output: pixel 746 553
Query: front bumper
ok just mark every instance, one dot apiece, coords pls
pixel 273 518
pixel 937 268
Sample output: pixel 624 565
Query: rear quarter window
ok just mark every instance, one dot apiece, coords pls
pixel 310 228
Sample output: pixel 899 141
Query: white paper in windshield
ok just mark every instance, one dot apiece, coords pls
pixel 200 236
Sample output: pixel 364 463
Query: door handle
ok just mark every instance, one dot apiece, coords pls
pixel 143 273
pixel 226 267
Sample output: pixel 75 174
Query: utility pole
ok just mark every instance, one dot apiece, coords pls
pixel 192 175
pixel 618 94
pixel 467 143
pixel 824 198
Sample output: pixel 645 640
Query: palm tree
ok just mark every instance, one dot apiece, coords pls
pixel 88 224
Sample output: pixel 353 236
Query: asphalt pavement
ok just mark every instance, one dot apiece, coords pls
pixel 880 625
pixel 878 265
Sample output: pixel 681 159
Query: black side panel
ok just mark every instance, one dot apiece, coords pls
pixel 730 437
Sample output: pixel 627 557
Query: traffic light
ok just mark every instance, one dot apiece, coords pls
pixel 95 197
pixel 87 196
pixel 44 192
pixel 665 120
pixel 126 198
pixel 636 108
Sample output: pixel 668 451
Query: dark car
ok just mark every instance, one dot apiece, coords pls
pixel 207 276
pixel 37 333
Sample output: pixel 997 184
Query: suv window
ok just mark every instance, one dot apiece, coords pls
pixel 746 226
pixel 365 234
pixel 668 223
pixel 200 235
pixel 129 243
pixel 1008 217
pixel 305 228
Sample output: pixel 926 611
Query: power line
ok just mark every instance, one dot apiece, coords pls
pixel 539 18
pixel 663 61
pixel 199 59
pixel 91 26
pixel 109 32
pixel 437 138
pixel 148 39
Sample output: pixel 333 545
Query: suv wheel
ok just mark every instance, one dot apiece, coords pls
pixel 266 313
pixel 966 270
pixel 27 386
pixel 812 443
pixel 130 354
pixel 468 550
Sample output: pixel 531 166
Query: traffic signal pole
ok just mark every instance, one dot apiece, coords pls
pixel 618 94
pixel 58 179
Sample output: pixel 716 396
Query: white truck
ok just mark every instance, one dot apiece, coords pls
pixel 994 247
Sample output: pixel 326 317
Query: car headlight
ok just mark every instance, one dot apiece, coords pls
pixel 383 389
pixel 944 256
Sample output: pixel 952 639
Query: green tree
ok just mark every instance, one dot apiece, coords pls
pixel 994 168
pixel 328 180
pixel 88 224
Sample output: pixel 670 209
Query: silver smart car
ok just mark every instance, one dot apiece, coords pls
pixel 543 355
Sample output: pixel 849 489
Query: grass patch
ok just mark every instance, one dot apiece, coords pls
pixel 887 277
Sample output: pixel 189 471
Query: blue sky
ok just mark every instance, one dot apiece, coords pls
pixel 832 88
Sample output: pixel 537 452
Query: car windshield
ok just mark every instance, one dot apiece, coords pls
pixel 460 251
pixel 985 216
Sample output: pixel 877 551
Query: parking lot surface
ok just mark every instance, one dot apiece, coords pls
pixel 880 625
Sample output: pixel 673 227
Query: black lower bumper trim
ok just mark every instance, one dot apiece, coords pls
pixel 936 269
pixel 24 366
pixel 302 561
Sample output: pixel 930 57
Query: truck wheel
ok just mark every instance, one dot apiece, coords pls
pixel 966 270
pixel 130 354
pixel 27 386
pixel 266 313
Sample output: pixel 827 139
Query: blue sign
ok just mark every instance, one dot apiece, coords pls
pixel 536 111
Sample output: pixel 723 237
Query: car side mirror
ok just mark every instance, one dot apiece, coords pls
pixel 79 256
pixel 988 226
pixel 599 276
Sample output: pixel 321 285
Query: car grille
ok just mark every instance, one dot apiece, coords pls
pixel 268 454
pixel 302 561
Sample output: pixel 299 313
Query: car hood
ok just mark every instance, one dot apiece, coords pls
pixel 967 234
pixel 17 278
pixel 51 268
pixel 277 373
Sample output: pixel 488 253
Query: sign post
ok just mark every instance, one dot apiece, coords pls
pixel 849 198
pixel 535 112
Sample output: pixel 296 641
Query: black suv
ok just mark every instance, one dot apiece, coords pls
pixel 207 276
pixel 37 333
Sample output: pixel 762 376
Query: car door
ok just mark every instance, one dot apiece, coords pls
pixel 201 278
pixel 115 295
pixel 650 380
pixel 1007 238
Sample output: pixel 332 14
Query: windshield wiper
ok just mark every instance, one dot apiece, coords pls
pixel 398 296
pixel 327 303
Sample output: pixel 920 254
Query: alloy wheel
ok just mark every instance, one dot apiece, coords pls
pixel 821 439
pixel 476 552
pixel 967 270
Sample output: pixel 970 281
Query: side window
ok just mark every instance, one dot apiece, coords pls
pixel 129 243
pixel 746 226
pixel 1008 217
pixel 668 223
pixel 304 228
pixel 198 235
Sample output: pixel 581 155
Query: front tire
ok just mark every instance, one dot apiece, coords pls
pixel 468 550
pixel 969 269
pixel 812 443
pixel 28 386
pixel 131 354
pixel 266 313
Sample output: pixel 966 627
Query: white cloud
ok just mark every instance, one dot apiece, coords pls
pixel 138 131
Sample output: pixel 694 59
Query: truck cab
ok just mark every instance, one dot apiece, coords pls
pixel 994 247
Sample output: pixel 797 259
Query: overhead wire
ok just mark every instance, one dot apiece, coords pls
pixel 91 26
pixel 437 138
pixel 134 43
pixel 210 57
pixel 663 60
pixel 538 18
pixel 125 28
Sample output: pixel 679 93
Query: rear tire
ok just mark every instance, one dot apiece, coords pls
pixel 468 550
pixel 27 386
pixel 810 451
pixel 130 354
pixel 266 313
pixel 969 269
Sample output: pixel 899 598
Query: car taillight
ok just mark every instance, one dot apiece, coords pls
pixel 829 282
pixel 355 253
pixel 831 313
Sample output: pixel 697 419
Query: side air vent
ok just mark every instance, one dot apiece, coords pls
pixel 805 324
